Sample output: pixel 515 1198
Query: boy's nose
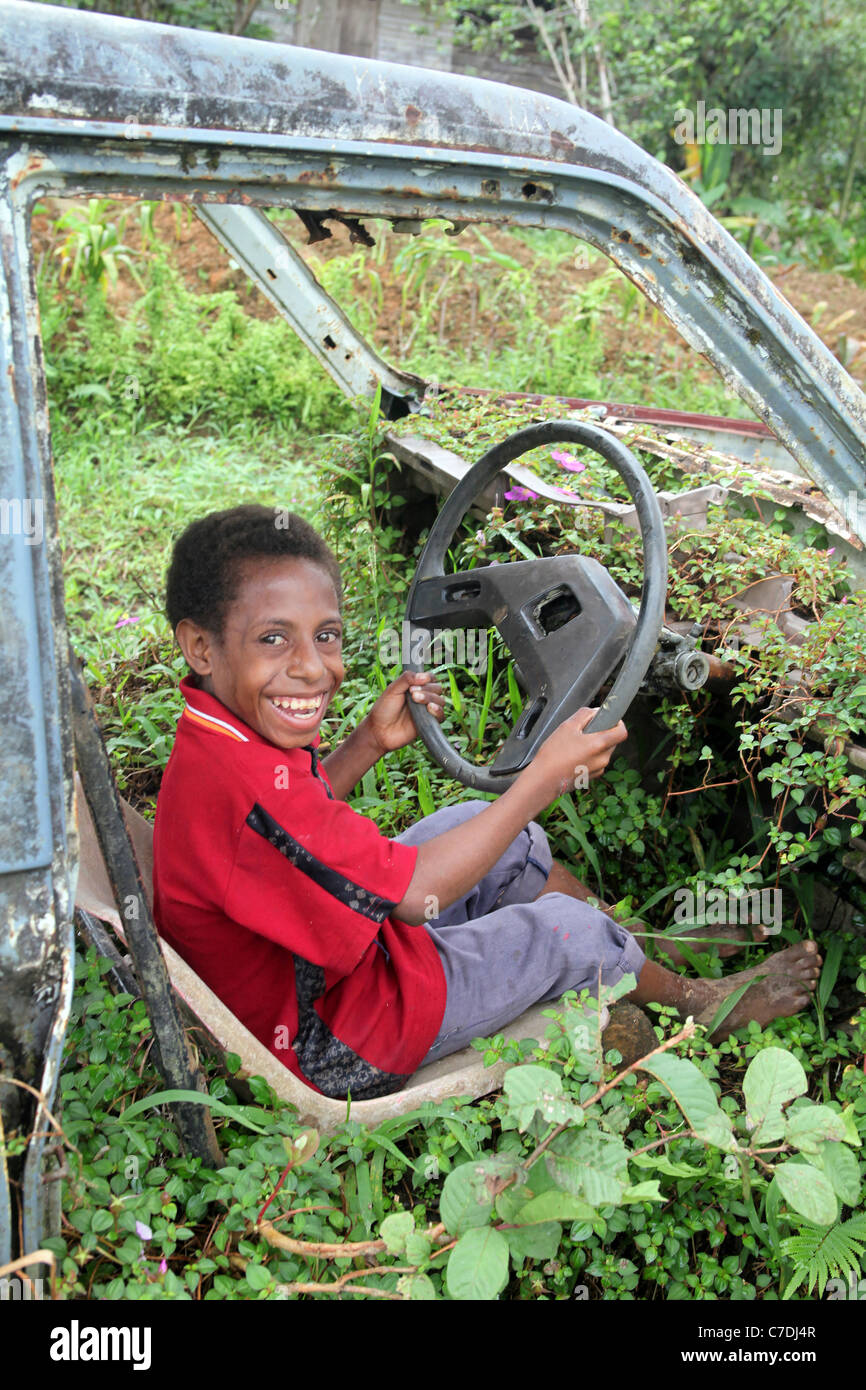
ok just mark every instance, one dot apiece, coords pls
pixel 306 661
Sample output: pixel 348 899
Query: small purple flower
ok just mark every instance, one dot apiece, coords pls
pixel 831 551
pixel 126 619
pixel 521 494
pixel 143 1232
pixel 567 494
pixel 567 461
pixel 163 1267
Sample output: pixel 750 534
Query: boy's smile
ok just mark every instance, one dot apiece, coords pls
pixel 279 661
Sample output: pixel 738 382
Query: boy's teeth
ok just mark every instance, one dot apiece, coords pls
pixel 296 704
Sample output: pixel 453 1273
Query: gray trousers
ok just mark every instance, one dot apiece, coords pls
pixel 502 951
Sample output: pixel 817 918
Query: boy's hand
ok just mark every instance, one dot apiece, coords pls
pixel 390 722
pixel 569 755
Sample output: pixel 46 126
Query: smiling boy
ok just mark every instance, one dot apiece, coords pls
pixel 354 957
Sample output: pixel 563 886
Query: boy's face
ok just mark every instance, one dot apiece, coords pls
pixel 279 661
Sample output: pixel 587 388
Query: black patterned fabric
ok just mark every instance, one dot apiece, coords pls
pixel 328 1063
pixel 343 889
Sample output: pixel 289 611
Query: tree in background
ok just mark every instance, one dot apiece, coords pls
pixel 634 63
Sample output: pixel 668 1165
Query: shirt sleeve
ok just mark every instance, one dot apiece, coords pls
pixel 318 878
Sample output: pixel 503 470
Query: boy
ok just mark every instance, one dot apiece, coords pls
pixel 356 958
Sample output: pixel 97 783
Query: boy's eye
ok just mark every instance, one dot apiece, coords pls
pixel 331 635
pixel 272 638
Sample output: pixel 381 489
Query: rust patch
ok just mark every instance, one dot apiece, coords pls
pixel 561 143
pixel 33 165
pixel 413 115
pixel 625 237
pixel 326 175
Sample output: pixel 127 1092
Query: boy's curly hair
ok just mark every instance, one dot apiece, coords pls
pixel 204 573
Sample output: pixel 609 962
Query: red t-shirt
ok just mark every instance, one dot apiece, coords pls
pixel 279 896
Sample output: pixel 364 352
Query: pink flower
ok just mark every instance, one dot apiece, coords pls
pixel 831 551
pixel 521 494
pixel 163 1267
pixel 567 461
pixel 143 1232
pixel 126 619
pixel 571 496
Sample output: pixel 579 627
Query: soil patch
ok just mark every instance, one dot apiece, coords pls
pixel 834 306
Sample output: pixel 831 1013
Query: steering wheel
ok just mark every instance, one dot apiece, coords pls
pixel 564 620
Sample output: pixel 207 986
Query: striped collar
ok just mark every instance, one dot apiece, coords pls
pixel 217 726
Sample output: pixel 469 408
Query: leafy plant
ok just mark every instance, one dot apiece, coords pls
pixel 93 251
pixel 819 1254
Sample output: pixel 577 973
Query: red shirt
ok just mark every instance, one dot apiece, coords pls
pixel 279 897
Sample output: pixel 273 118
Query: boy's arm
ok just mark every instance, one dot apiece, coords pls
pixel 348 763
pixel 388 726
pixel 453 863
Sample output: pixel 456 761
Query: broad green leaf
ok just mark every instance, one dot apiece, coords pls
pixel 531 1088
pixel 588 1163
pixel 843 1170
pixel 808 1191
pixel 808 1127
pixel 623 986
pixel 417 1287
pixel 538 1242
pixel 695 1096
pixel 258 1276
pixel 395 1230
pixel 643 1192
pixel 555 1206
pixel 478 1265
pixel 773 1078
pixel 469 1192
pixel 418 1248
pixel 852 1134
pixel 511 1201
pixel 659 1162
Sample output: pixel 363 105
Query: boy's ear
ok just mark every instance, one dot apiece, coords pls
pixel 196 643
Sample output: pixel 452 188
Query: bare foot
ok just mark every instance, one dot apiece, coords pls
pixel 782 985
